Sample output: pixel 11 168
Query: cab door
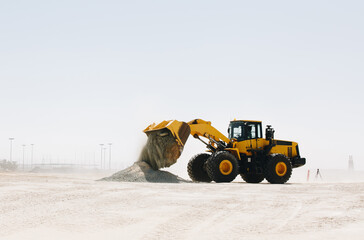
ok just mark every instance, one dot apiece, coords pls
pixel 259 136
pixel 252 138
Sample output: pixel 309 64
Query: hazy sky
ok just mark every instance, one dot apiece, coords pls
pixel 75 74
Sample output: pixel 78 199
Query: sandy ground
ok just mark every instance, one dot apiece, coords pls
pixel 74 206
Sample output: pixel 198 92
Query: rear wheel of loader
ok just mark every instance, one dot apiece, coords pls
pixel 222 167
pixel 196 169
pixel 252 177
pixel 278 169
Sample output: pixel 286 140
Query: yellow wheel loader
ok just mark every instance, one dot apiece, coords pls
pixel 243 152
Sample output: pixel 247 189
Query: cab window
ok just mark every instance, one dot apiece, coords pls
pixel 236 132
pixel 245 130
pixel 252 130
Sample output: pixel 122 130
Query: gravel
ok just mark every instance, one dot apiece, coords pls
pixel 143 172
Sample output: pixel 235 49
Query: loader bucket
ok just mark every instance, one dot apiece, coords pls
pixel 165 143
pixel 180 130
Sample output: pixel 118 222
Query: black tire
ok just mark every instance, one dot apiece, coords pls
pixel 278 169
pixel 222 167
pixel 252 177
pixel 196 169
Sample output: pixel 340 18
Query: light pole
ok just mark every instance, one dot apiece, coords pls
pixel 23 155
pixel 101 145
pixel 31 157
pixel 11 148
pixel 104 157
pixel 110 156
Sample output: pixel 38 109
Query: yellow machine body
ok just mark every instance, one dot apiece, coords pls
pixel 242 147
pixel 248 146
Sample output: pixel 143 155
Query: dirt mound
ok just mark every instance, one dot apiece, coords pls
pixel 160 151
pixel 143 172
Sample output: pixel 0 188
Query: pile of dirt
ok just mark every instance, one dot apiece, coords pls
pixel 143 172
pixel 160 151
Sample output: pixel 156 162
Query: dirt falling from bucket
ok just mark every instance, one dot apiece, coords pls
pixel 160 151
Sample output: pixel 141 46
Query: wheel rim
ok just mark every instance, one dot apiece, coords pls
pixel 281 169
pixel 226 167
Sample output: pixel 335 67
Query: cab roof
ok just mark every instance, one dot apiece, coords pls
pixel 246 121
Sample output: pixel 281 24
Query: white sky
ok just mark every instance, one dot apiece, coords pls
pixel 75 74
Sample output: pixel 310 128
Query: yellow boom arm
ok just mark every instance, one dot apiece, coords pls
pixel 203 128
pixel 181 130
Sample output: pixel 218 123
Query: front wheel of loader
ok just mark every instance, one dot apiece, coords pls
pixel 222 167
pixel 278 169
pixel 196 169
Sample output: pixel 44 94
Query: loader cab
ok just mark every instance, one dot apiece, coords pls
pixel 244 130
